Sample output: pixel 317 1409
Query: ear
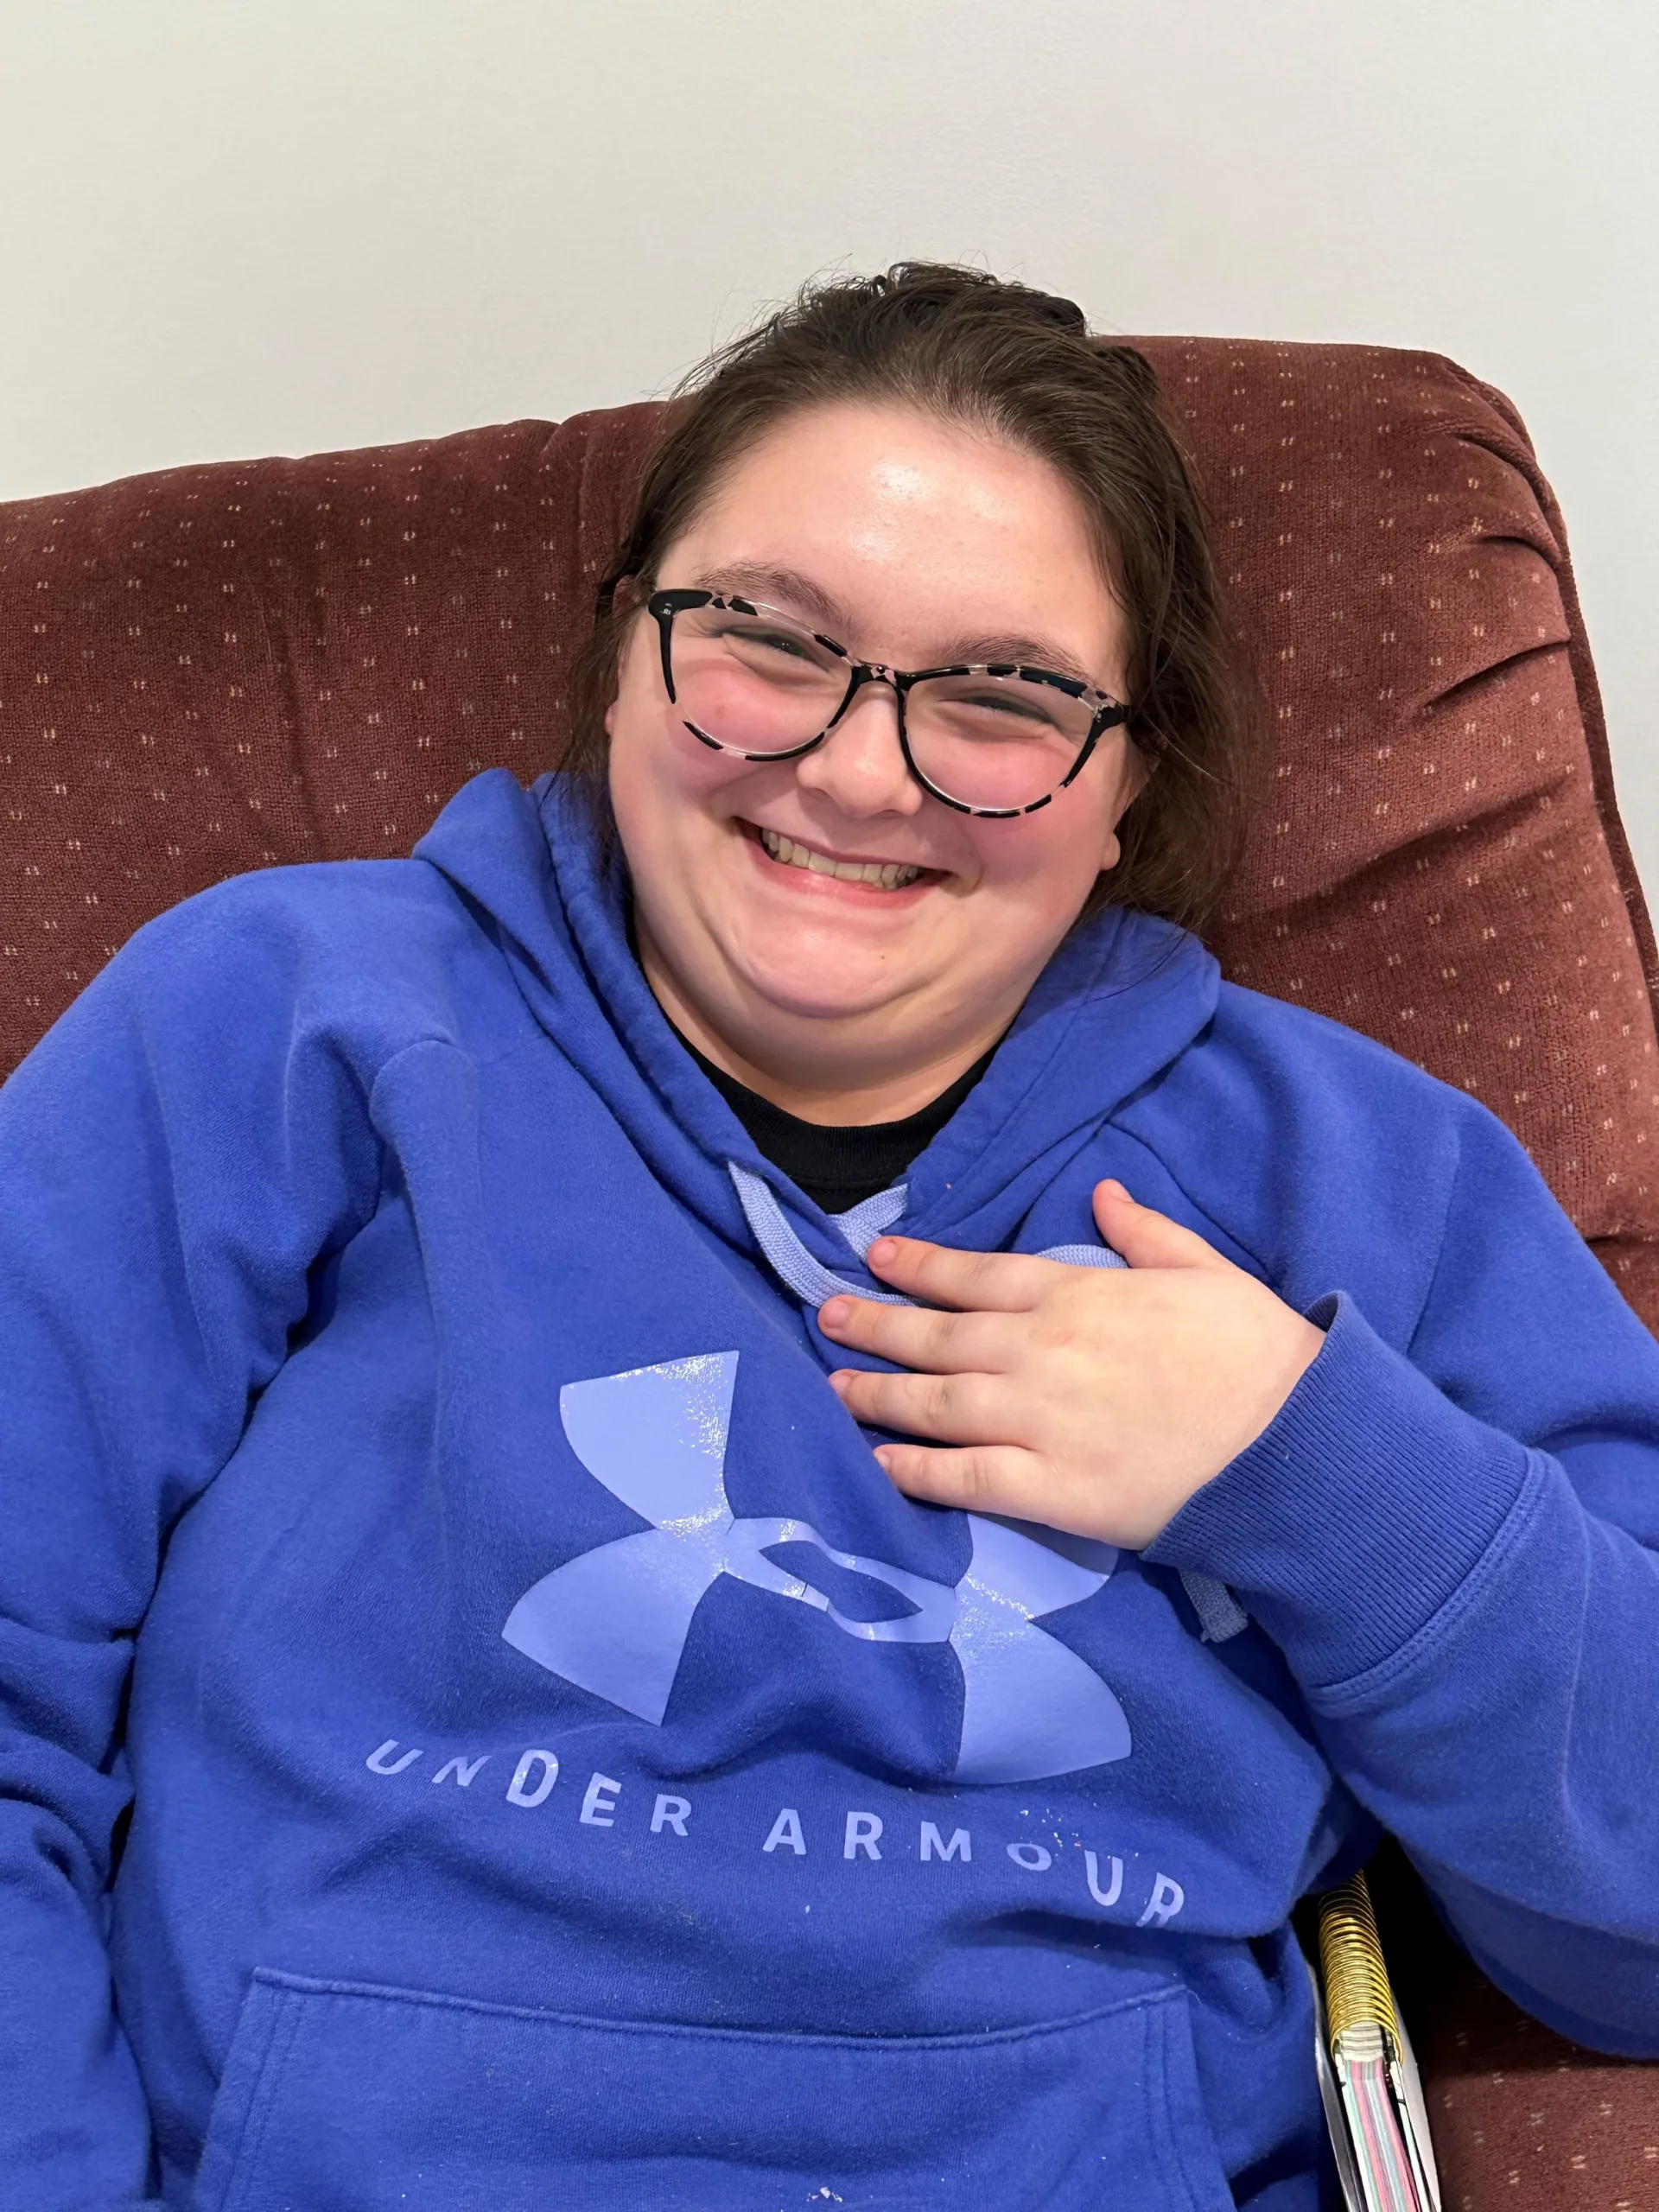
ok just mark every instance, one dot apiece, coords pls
pixel 1132 781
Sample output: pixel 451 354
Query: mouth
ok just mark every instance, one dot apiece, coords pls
pixel 877 875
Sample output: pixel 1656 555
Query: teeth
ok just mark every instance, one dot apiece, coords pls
pixel 885 875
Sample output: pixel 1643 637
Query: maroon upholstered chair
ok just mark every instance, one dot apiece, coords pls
pixel 230 667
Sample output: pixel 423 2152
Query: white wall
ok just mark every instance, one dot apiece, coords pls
pixel 235 226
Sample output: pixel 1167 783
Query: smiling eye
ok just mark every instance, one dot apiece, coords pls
pixel 785 644
pixel 1006 704
pixel 998 710
pixel 763 645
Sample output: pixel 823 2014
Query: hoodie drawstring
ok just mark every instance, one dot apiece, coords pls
pixel 1220 1615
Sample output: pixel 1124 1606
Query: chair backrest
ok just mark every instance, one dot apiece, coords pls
pixel 221 668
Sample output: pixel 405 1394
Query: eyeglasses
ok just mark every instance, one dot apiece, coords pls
pixel 996 740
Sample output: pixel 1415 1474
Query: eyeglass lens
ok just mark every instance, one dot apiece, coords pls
pixel 757 684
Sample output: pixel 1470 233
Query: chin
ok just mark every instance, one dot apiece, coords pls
pixel 814 991
pixel 816 998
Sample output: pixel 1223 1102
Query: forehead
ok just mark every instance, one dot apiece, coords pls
pixel 911 528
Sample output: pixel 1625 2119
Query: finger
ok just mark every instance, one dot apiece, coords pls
pixel 985 1282
pixel 1147 1238
pixel 914 1336
pixel 982 1478
pixel 950 1409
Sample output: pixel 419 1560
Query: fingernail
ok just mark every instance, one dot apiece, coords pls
pixel 1115 1187
pixel 839 1379
pixel 883 1453
pixel 836 1314
pixel 884 1250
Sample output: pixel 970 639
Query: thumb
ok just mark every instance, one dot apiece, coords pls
pixel 1147 1238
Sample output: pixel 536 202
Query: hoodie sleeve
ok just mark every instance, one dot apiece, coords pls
pixel 174 1158
pixel 1455 1547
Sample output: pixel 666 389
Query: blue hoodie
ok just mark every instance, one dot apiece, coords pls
pixel 565 1772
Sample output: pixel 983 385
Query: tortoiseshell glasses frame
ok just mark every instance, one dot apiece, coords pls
pixel 1075 727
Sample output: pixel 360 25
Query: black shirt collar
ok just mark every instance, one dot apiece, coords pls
pixel 839 1166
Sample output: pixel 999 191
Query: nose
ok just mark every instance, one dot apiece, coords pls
pixel 860 766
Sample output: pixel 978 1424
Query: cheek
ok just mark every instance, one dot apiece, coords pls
pixel 651 756
pixel 1045 862
pixel 670 795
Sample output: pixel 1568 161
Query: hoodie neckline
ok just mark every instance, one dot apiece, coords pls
pixel 1122 997
pixel 858 1158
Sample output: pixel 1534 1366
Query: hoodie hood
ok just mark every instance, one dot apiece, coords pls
pixel 1123 997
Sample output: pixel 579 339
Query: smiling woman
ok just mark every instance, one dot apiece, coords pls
pixel 934 473
pixel 722 1617
pixel 908 940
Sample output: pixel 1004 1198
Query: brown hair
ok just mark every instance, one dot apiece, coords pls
pixel 1021 366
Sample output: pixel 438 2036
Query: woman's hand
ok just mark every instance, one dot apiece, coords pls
pixel 1090 1399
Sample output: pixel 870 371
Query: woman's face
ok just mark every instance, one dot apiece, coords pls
pixel 914 542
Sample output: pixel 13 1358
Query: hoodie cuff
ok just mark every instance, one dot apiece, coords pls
pixel 1362 1508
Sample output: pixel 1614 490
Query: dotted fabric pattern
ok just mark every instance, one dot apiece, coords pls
pixel 1522 2119
pixel 1438 858
pixel 230 667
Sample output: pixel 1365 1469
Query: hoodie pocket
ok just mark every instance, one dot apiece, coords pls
pixel 341 2098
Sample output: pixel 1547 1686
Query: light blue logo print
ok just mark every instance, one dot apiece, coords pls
pixel 615 1620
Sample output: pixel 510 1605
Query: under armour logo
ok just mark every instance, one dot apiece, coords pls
pixel 615 1620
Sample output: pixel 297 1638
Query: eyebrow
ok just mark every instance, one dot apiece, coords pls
pixel 1030 652
pixel 785 588
pixel 794 594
